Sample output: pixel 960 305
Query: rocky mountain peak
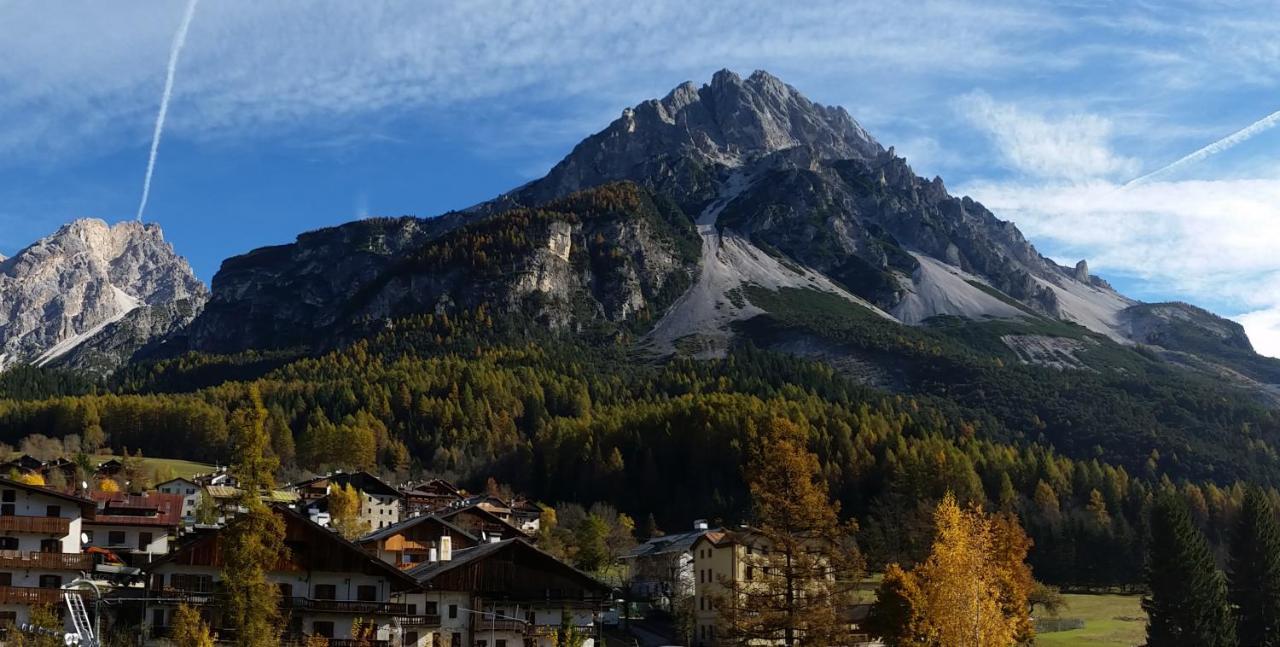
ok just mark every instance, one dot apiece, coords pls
pixel 69 286
pixel 725 123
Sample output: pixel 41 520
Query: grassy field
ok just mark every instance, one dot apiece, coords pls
pixel 1109 621
pixel 184 469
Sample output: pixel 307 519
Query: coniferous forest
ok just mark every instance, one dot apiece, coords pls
pixel 1078 456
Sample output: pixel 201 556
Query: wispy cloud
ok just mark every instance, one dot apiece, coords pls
pixel 1074 146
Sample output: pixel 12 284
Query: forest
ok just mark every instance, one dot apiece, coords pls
pixel 1076 455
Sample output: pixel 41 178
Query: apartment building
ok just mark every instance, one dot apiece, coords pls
pixel 326 584
pixel 190 491
pixel 661 570
pixel 40 532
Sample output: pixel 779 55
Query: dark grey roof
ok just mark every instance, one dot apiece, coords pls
pixel 394 528
pixel 677 543
pixel 424 573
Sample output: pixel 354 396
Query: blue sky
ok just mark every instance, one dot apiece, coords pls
pixel 290 115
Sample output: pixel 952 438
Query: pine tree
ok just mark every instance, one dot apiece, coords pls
pixel 1187 603
pixel 1255 572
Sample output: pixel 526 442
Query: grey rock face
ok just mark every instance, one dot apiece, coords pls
pixel 69 286
pixel 678 142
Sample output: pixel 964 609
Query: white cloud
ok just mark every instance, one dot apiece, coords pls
pixel 87 80
pixel 1074 147
pixel 1209 241
pixel 1263 327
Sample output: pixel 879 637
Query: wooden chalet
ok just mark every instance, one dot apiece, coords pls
pixel 325 583
pixel 430 496
pixel 414 541
pixel 483 524
pixel 504 593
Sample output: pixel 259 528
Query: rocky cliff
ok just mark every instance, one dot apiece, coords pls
pixel 69 287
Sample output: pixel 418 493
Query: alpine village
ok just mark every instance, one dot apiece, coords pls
pixel 730 374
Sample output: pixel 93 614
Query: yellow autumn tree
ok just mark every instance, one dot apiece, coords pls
pixel 802 566
pixel 972 589
pixel 108 485
pixel 32 478
pixel 189 629
pixel 344 512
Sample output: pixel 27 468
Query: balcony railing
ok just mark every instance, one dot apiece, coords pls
pixel 550 631
pixel 430 620
pixel 358 607
pixel 501 625
pixel 29 595
pixel 51 561
pixel 40 525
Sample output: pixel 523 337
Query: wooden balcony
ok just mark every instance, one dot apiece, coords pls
pixel 49 561
pixel 484 624
pixel 29 595
pixel 55 526
pixel 427 621
pixel 354 607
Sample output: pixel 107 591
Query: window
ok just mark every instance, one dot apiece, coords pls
pixel 482 643
pixel 751 573
pixel 191 583
pixel 50 581
pixel 157 618
pixel 501 642
pixel 453 613
pixel 7 510
pixel 367 593
pixel 286 589
pixel 115 538
pixel 51 545
pixel 8 543
pixel 53 511
pixel 144 540
pixel 6 579
pixel 455 639
pixel 411 638
pixel 7 620
pixel 322 628
pixel 430 608
pixel 9 496
pixel 326 592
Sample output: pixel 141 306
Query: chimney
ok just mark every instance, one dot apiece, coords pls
pixel 700 524
pixel 446 548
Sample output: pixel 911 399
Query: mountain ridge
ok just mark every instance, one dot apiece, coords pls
pixel 75 283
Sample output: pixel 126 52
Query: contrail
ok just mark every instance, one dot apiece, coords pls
pixel 1223 144
pixel 179 39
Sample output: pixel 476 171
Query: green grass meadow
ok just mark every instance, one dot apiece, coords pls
pixel 1109 621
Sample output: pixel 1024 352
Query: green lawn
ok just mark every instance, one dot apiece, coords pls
pixel 184 469
pixel 1110 621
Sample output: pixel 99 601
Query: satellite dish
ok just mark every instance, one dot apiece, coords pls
pixel 84 537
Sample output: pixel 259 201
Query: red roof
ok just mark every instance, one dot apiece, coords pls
pixel 151 509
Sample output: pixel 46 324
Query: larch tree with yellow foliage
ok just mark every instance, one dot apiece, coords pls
pixel 344 512
pixel 188 629
pixel 802 567
pixel 972 590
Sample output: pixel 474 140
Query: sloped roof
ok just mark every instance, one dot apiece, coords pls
pixel 453 512
pixel 363 481
pixel 399 527
pixel 87 506
pixel 121 509
pixel 425 573
pixel 296 523
pixel 675 543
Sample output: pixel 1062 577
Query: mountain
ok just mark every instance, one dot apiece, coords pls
pixel 739 183
pixel 87 283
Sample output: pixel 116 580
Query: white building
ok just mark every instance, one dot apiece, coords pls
pixel 39 547
pixel 190 493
